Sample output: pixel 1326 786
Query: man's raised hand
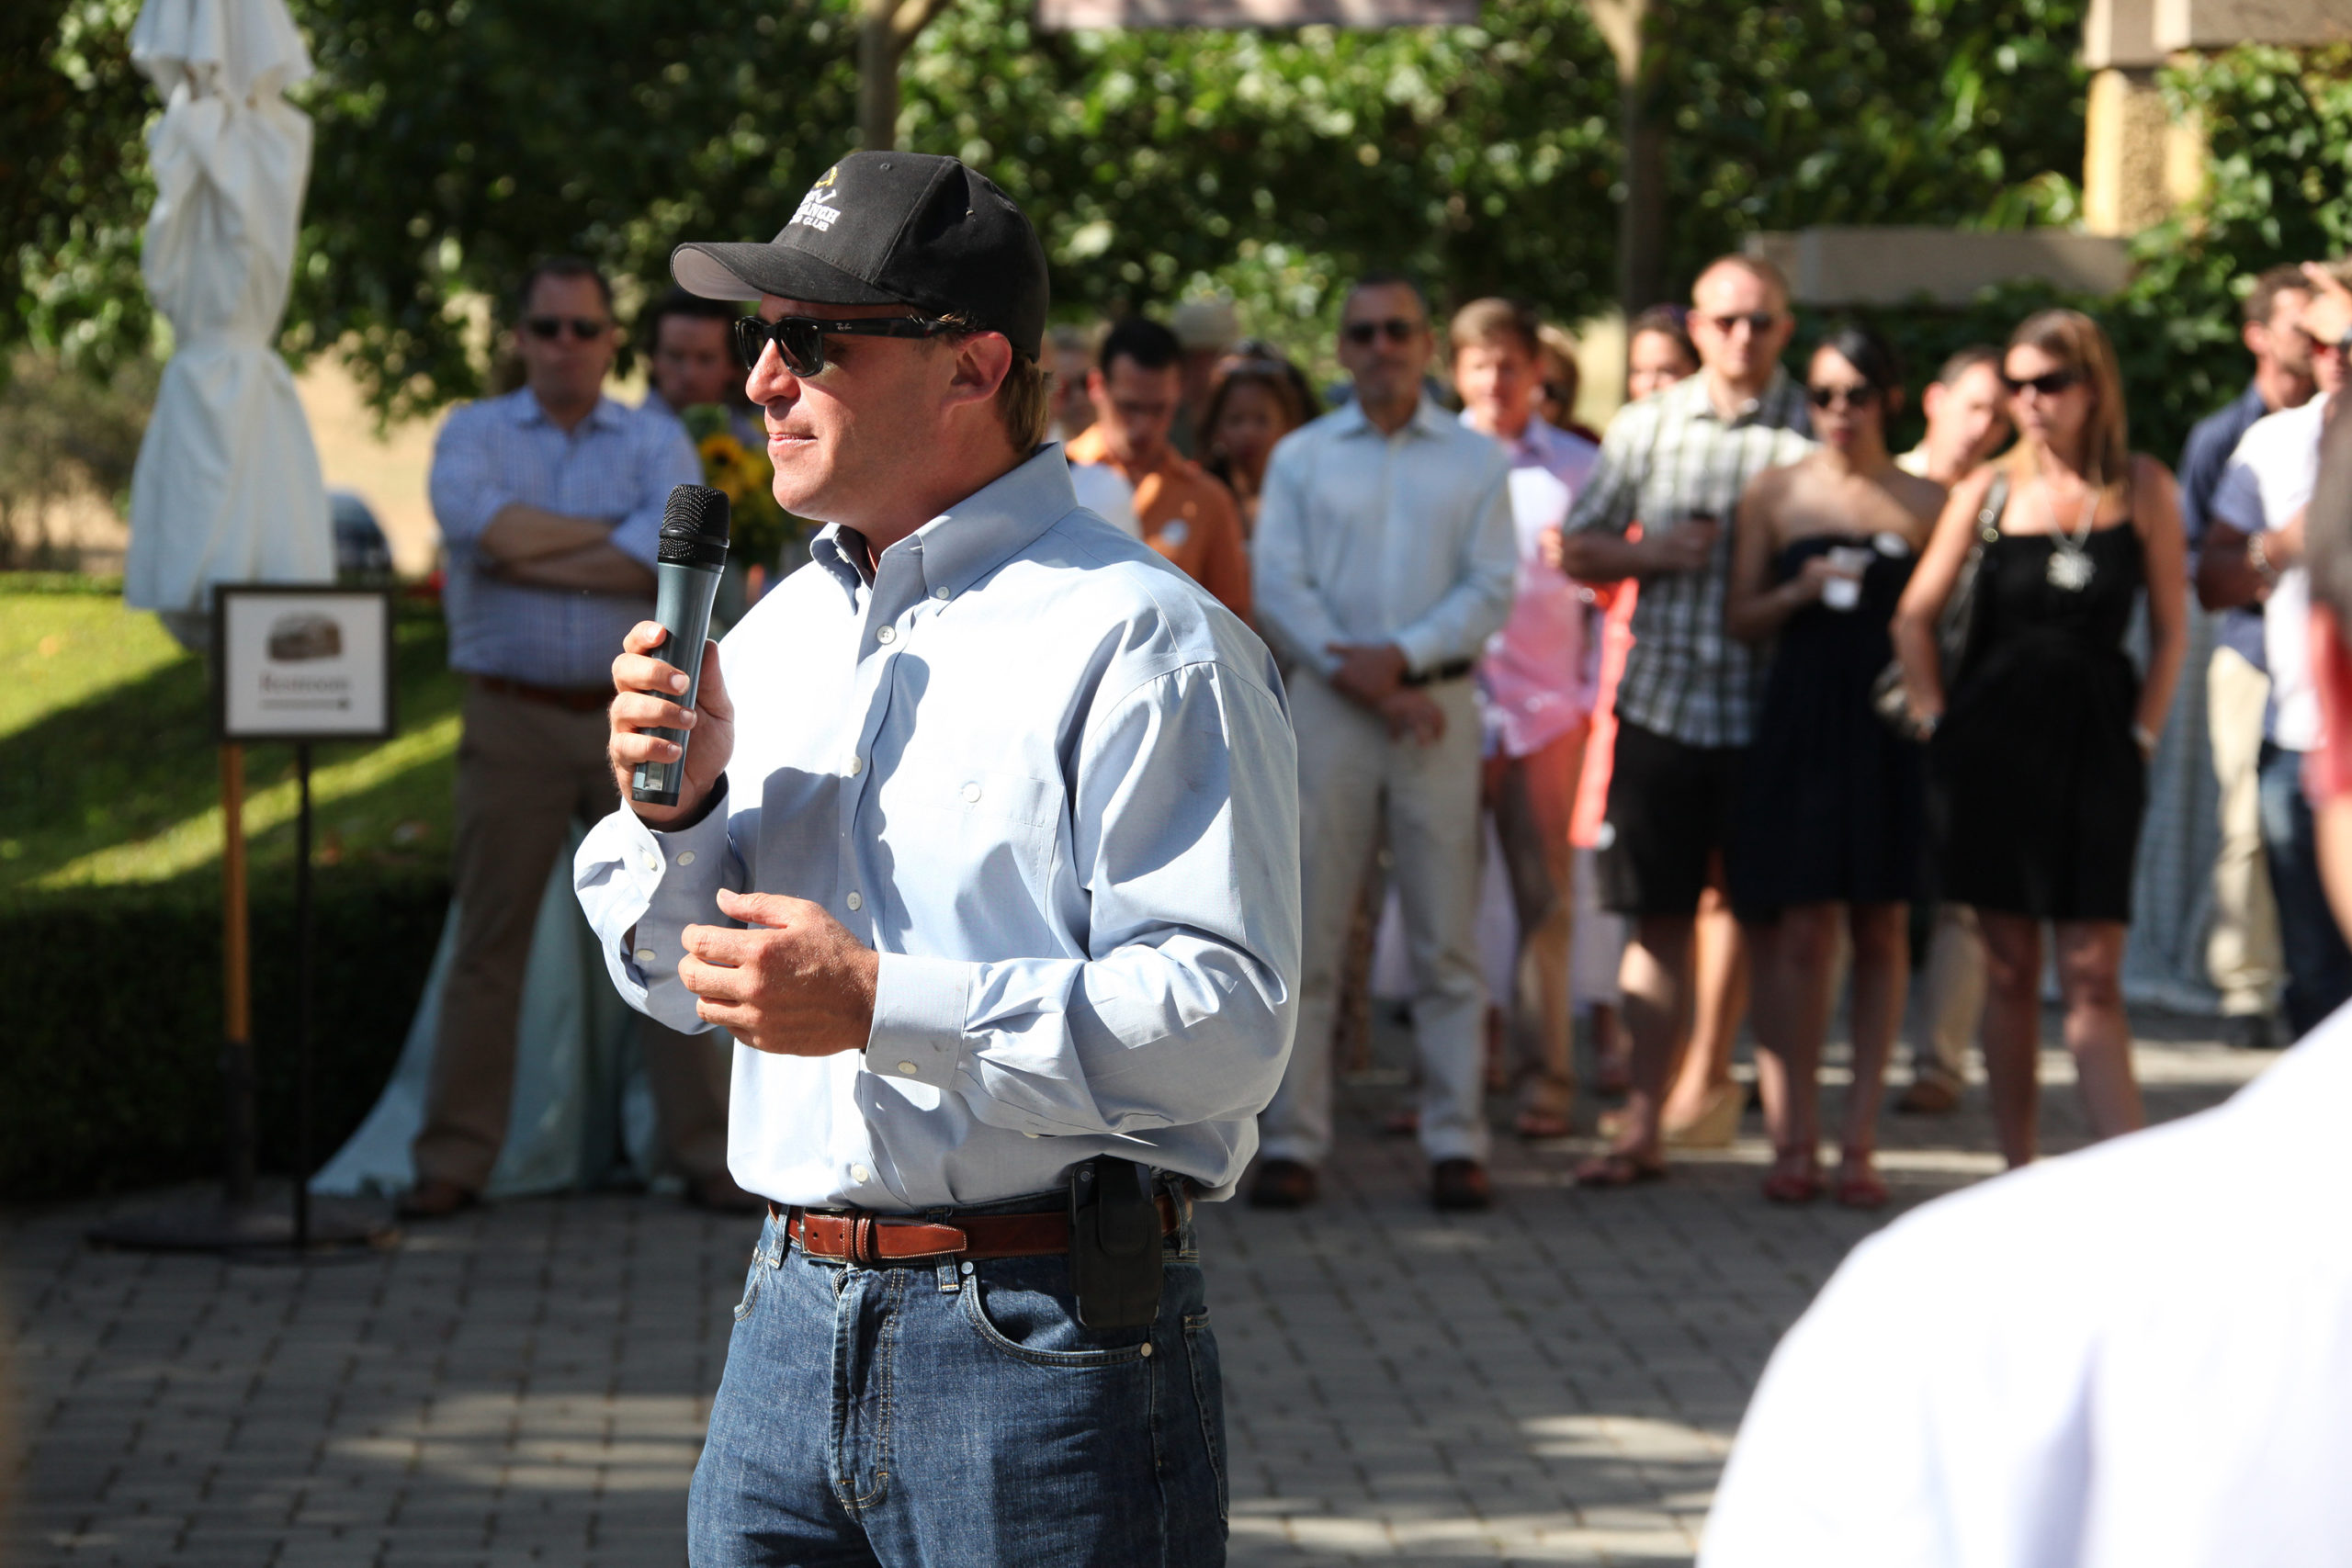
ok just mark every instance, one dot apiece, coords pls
pixel 648 688
pixel 796 983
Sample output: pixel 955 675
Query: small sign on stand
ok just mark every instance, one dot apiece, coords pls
pixel 301 665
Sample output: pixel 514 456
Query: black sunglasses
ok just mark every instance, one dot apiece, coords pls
pixel 2048 386
pixel 1759 322
pixel 800 339
pixel 1400 329
pixel 1859 397
pixel 587 329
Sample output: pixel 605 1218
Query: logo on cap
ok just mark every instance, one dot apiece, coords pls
pixel 812 210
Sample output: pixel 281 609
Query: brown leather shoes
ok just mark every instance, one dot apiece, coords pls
pixel 718 1194
pixel 435 1200
pixel 1461 1185
pixel 1282 1184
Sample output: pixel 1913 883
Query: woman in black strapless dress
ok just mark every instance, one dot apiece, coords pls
pixel 1829 825
pixel 2038 759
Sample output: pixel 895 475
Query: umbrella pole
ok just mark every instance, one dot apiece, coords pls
pixel 237 1047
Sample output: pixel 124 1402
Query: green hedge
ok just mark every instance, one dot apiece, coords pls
pixel 109 1060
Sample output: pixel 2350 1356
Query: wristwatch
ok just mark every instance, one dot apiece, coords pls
pixel 2257 556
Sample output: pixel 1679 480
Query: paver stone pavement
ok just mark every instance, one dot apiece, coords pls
pixel 1557 1380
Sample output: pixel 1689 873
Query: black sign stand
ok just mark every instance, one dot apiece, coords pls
pixel 237 1222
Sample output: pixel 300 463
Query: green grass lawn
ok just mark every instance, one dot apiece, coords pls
pixel 113 777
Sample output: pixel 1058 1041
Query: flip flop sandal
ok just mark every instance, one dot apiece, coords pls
pixel 1619 1170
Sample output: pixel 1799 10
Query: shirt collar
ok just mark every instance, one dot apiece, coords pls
pixel 977 534
pixel 524 406
pixel 1534 441
pixel 1427 418
pixel 1764 406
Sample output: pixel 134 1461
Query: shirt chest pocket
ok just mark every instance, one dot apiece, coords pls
pixel 971 835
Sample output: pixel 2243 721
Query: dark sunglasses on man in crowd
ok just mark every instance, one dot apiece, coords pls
pixel 586 329
pixel 800 339
pixel 1759 322
pixel 2048 385
pixel 1855 396
pixel 1400 329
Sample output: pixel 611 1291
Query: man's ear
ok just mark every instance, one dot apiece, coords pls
pixel 982 362
pixel 2327 771
pixel 2255 335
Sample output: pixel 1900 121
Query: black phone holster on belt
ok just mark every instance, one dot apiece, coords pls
pixel 1113 1244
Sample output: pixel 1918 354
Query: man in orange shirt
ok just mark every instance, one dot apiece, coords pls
pixel 1185 514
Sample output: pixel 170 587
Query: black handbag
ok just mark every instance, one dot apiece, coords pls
pixel 1954 627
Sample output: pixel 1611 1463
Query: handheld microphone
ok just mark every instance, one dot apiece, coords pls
pixel 693 555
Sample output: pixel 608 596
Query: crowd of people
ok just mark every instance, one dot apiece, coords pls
pixel 1734 686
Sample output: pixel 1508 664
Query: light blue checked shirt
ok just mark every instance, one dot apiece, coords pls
pixel 618 464
pixel 1052 782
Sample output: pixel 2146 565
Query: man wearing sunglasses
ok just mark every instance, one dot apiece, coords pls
pixel 548 499
pixel 987 858
pixel 1677 463
pixel 1385 558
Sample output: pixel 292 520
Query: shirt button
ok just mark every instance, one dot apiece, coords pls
pixel 907 1069
pixel 888 634
pixel 941 594
pixel 860 1175
pixel 652 860
pixel 856 766
pixel 645 956
pixel 686 857
pixel 971 792
pixel 854 902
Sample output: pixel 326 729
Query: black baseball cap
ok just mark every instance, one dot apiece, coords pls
pixel 892 227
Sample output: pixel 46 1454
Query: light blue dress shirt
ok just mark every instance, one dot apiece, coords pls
pixel 617 464
pixel 1052 782
pixel 1368 538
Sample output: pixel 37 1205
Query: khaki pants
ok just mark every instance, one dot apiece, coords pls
pixel 1352 777
pixel 2242 953
pixel 1534 798
pixel 526 770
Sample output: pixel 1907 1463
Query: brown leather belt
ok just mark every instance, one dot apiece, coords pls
pixel 571 699
pixel 859 1235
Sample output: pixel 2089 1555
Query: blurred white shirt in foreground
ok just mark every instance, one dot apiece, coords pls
pixel 2139 1355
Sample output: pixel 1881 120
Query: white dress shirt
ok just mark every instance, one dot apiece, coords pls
pixel 1052 782
pixel 1533 682
pixel 2269 477
pixel 2139 1356
pixel 1369 538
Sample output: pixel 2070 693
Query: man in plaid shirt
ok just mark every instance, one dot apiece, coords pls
pixel 1677 463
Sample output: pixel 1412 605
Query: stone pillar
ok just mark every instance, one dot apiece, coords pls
pixel 2137 164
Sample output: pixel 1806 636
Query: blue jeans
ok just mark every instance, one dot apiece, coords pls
pixel 958 1416
pixel 2319 965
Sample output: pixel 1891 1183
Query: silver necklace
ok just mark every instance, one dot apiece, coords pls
pixel 2069 567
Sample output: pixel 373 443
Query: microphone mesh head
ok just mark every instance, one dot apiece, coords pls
pixel 695 512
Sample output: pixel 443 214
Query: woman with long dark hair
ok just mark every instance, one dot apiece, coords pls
pixel 1830 823
pixel 2040 740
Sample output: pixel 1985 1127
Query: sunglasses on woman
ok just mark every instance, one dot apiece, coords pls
pixel 2046 385
pixel 800 339
pixel 1859 397
pixel 587 329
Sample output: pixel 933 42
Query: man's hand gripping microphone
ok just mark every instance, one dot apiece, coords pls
pixel 693 556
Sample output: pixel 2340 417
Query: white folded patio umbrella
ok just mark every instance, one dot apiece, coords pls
pixel 227 488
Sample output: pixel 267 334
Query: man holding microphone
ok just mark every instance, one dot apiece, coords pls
pixel 987 857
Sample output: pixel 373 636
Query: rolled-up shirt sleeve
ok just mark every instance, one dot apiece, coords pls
pixel 1290 611
pixel 667 460
pixel 1458 624
pixel 1611 496
pixel 468 485
pixel 641 888
pixel 1186 831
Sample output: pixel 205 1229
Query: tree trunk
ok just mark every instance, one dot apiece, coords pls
pixel 1641 222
